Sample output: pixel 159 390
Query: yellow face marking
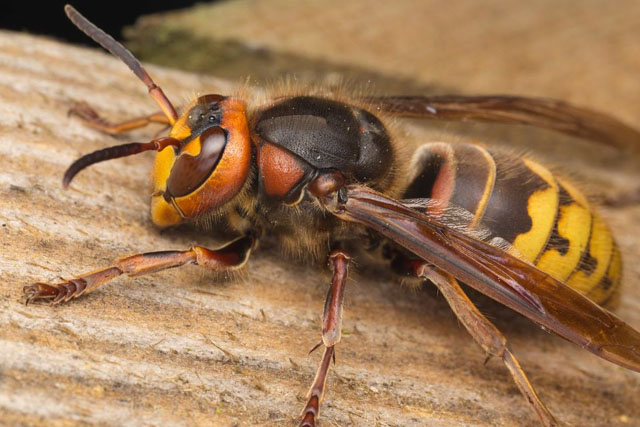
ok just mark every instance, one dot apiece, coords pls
pixel 162 213
pixel 162 168
pixel 193 147
pixel 180 130
pixel 574 224
pixel 600 249
pixel 542 209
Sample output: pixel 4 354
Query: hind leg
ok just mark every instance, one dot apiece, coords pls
pixel 483 332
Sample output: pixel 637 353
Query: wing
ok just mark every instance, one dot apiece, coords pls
pixel 495 273
pixel 542 112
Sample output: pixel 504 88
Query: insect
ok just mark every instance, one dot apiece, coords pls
pixel 503 225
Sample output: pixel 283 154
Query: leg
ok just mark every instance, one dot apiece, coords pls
pixel 91 118
pixel 331 327
pixel 231 256
pixel 484 333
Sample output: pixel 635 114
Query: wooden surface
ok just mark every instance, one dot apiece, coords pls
pixel 180 348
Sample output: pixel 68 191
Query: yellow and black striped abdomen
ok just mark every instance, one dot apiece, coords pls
pixel 547 220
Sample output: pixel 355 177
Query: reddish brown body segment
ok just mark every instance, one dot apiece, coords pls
pixel 280 172
pixel 232 170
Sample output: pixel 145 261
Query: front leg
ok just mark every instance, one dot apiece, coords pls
pixel 232 256
pixel 91 118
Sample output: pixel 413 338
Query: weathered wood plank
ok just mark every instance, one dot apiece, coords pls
pixel 179 348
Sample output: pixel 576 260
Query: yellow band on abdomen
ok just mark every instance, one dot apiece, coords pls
pixel 542 208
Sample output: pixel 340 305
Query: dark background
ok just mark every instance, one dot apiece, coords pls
pixel 48 17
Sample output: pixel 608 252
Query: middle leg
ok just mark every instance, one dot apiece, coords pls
pixel 331 334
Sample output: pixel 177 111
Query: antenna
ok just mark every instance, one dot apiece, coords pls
pixel 116 49
pixel 115 153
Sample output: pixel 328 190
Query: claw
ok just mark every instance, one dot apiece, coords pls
pixel 40 291
pixel 315 347
pixel 58 293
pixel 84 111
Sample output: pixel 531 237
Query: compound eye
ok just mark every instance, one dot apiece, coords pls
pixel 190 172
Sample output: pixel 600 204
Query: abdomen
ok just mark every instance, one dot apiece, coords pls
pixel 546 219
